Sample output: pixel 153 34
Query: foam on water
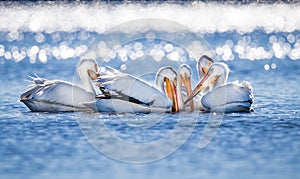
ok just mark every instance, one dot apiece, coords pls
pixel 199 17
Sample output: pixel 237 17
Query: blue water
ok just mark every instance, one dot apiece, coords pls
pixel 262 144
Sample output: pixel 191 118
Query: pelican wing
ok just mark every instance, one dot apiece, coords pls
pixel 54 93
pixel 230 97
pixel 130 88
pixel 121 106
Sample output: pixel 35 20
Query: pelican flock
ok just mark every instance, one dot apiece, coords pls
pixel 109 90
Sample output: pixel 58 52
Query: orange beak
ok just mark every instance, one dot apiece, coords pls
pixel 171 92
pixel 176 105
pixel 204 70
pixel 205 82
pixel 187 84
pixel 93 75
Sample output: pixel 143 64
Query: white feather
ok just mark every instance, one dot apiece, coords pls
pixel 231 97
pixel 47 95
pixel 120 106
pixel 122 84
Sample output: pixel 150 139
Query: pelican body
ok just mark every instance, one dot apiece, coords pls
pixel 61 96
pixel 222 96
pixel 231 97
pixel 122 92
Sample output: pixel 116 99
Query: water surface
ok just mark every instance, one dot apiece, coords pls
pixel 263 143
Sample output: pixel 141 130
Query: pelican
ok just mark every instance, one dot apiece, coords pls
pixel 170 82
pixel 202 66
pixel 61 96
pixel 121 92
pixel 223 97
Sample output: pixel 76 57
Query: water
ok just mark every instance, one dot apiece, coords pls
pixel 264 143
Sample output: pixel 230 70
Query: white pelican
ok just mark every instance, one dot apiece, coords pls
pixel 122 92
pixel 55 95
pixel 170 82
pixel 223 97
pixel 202 66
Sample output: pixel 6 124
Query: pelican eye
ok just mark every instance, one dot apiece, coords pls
pixel 166 79
pixel 174 81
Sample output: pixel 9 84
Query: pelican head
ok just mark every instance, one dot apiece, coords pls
pixel 166 81
pixel 185 77
pixel 216 75
pixel 203 65
pixel 87 70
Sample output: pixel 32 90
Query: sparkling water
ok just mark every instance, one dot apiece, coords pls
pixel 260 44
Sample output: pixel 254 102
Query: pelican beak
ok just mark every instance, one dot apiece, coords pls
pixel 187 84
pixel 204 70
pixel 169 90
pixel 171 93
pixel 205 82
pixel 176 105
pixel 93 75
pixel 97 70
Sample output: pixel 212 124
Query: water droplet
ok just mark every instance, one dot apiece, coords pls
pixel 34 25
pixel 229 43
pixel 139 54
pixel 16 56
pixel 65 51
pixel 123 67
pixel 239 49
pixel 34 50
pixel 39 37
pixel 80 50
pixel 174 56
pixel 56 37
pixel 2 50
pixel 83 35
pixel 42 56
pixel 266 67
pixel 32 59
pixel 55 52
pixel 123 54
pixel 219 51
pixel 157 54
pixel 138 46
pixel 101 45
pixel 273 39
pixel 169 48
pixel 182 59
pixel 150 36
pixel 291 38
pixel 132 55
pixel 7 55
pixel 273 66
